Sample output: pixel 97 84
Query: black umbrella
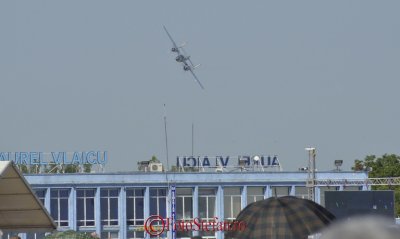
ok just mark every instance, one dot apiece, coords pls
pixel 281 218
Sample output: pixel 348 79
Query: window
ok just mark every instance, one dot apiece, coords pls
pixel 31 235
pixel 255 194
pixel 85 207
pixel 232 202
pixel 184 209
pixel 207 208
pixel 59 206
pixel 135 234
pixel 302 192
pixel 184 204
pixel 158 202
pixel 109 207
pixel 280 191
pixel 207 199
pixel 135 206
pixel 41 194
pixel 158 205
pixel 109 235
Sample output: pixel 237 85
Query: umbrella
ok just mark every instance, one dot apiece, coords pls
pixel 70 235
pixel 281 218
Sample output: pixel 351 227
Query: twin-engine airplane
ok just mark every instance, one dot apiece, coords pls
pixel 183 58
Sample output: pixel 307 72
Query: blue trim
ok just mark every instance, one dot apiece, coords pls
pixel 146 207
pixel 72 219
pixel 122 213
pixel 97 211
pixel 244 197
pixel 195 206
pixel 220 208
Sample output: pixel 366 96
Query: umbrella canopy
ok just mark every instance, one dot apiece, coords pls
pixel 281 218
pixel 20 209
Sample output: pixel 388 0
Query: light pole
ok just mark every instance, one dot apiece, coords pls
pixel 311 173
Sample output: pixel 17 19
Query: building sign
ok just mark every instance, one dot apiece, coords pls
pixel 45 158
pixel 155 225
pixel 173 210
pixel 227 161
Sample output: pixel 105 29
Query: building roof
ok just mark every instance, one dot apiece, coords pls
pixel 189 178
pixel 20 209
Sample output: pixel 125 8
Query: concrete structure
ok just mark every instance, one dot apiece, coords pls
pixel 116 205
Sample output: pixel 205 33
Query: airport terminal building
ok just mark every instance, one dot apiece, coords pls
pixel 116 205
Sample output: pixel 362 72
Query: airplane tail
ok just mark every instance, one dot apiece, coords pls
pixel 182 45
pixel 194 67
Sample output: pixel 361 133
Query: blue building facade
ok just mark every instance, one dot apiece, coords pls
pixel 116 205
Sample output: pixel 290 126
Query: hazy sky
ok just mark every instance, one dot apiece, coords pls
pixel 278 75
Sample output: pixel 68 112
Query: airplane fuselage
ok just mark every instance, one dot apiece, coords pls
pixel 181 58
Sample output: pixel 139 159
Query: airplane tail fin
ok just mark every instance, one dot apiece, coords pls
pixel 182 45
pixel 194 67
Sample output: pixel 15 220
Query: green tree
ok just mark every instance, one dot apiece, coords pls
pixel 23 168
pixel 154 159
pixel 358 165
pixel 71 168
pixel 50 168
pixel 56 168
pixel 382 167
pixel 72 234
pixel 87 168
pixel 174 168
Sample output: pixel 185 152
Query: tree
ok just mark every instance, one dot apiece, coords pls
pixel 382 167
pixel 174 168
pixel 67 168
pixel 72 234
pixel 23 168
pixel 26 169
pixel 71 168
pixel 358 165
pixel 87 167
pixel 154 159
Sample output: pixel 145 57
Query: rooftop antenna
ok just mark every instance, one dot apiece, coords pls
pixel 171 188
pixel 166 141
pixel 192 138
pixel 311 173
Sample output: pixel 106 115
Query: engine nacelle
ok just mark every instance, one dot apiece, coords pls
pixel 186 68
pixel 173 49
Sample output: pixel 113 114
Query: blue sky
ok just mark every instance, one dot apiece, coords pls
pixel 279 76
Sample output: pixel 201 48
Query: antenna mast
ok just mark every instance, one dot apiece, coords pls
pixel 171 189
pixel 166 140
pixel 192 139
pixel 311 174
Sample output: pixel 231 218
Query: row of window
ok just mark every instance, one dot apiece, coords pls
pixel 109 203
pixel 105 235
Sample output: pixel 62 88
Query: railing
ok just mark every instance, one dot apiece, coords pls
pixel 358 182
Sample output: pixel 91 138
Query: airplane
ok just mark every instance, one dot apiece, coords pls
pixel 184 58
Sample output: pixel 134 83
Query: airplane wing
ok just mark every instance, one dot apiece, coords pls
pixel 191 71
pixel 172 40
pixel 190 61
